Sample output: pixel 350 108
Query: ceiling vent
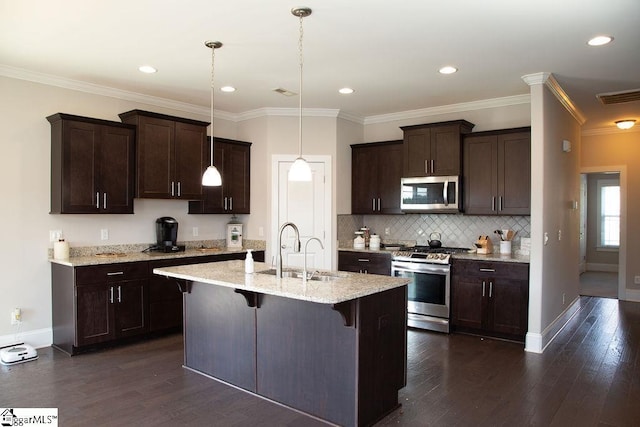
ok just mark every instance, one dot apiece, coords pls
pixel 284 92
pixel 619 97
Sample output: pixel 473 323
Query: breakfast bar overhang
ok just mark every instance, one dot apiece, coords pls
pixel 335 349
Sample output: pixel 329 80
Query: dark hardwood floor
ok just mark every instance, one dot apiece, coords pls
pixel 588 376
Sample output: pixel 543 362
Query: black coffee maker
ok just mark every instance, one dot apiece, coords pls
pixel 167 235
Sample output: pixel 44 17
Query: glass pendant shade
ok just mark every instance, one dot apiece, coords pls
pixel 211 177
pixel 300 170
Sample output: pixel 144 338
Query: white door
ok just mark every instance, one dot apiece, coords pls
pixel 307 205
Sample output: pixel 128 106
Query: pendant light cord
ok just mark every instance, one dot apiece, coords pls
pixel 213 56
pixel 300 90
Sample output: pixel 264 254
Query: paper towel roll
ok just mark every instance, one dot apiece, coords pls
pixel 61 250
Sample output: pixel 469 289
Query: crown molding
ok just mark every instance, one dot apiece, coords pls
pixel 50 80
pixel 451 108
pixel 552 84
pixel 612 130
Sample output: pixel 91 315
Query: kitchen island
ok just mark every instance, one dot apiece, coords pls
pixel 334 348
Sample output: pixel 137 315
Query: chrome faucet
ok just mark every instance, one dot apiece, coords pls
pixel 296 246
pixel 304 270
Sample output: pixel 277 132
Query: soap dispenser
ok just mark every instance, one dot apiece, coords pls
pixel 248 262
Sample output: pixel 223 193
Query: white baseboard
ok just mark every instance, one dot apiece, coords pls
pixel 536 342
pixel 37 338
pixel 609 268
pixel 632 295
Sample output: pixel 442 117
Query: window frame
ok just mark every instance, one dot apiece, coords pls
pixel 605 182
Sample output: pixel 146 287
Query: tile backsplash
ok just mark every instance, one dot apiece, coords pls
pixel 456 230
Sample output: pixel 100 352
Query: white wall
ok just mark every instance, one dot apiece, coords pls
pixel 25 137
pixel 554 275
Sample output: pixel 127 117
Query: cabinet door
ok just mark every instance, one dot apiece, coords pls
pixel 389 174
pixel 80 144
pixel 94 314
pixel 467 302
pixel 116 164
pixel 514 173
pixel 131 307
pixel 155 151
pixel 445 151
pixel 364 180
pixel 236 178
pixel 188 158
pixel 508 310
pixel 480 183
pixel 417 152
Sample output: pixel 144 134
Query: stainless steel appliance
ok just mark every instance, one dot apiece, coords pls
pixel 430 194
pixel 429 291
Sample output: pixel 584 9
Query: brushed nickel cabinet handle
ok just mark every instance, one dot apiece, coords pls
pixel 433 166
pixel 98 200
pixel 104 200
pixel 230 203
pixel 488 270
pixel 493 203
pixel 111 294
pixel 179 189
pixel 119 293
pixel 115 273
pixel 173 193
pixel 490 288
pixel 426 166
pixel 483 287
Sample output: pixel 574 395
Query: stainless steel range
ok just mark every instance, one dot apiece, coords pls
pixel 429 291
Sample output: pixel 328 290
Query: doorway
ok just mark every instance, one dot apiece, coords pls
pixel 601 232
pixel 308 206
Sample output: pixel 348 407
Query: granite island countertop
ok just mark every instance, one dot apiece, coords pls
pixel 345 287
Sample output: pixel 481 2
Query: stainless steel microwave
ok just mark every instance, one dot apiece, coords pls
pixel 430 194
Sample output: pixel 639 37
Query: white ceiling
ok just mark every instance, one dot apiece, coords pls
pixel 388 51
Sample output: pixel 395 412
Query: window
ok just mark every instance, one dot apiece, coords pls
pixel 608 213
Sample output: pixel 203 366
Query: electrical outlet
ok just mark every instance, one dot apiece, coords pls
pixel 104 234
pixel 195 231
pixel 55 235
pixel 387 231
pixel 636 280
pixel 559 235
pixel 16 316
pixel 563 299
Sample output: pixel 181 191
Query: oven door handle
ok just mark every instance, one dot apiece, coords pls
pixel 432 270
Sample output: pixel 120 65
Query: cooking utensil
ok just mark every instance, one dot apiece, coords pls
pixel 436 243
pixel 499 233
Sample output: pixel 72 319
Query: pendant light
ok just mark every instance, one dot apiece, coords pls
pixel 211 177
pixel 300 170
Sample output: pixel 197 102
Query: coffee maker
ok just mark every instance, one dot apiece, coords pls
pixel 167 235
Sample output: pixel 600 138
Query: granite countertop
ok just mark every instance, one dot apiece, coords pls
pixel 119 257
pixel 515 257
pixel 346 287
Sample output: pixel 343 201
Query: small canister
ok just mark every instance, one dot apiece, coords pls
pixel 374 242
pixel 358 242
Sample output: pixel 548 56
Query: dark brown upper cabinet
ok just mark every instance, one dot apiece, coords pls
pixel 92 165
pixel 170 152
pixel 434 149
pixel 233 160
pixel 497 172
pixel 376 170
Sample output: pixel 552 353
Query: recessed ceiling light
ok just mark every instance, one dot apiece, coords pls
pixel 600 40
pixel 148 69
pixel 346 90
pixel 625 124
pixel 228 89
pixel 448 70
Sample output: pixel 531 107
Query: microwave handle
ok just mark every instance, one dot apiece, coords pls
pixel 445 192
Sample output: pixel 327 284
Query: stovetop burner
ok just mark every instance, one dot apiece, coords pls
pixel 427 254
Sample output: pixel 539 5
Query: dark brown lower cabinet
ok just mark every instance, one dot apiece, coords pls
pixel 490 298
pixel 365 262
pixel 343 363
pixel 103 304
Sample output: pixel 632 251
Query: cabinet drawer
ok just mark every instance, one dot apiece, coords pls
pixel 373 263
pixel 111 272
pixel 496 270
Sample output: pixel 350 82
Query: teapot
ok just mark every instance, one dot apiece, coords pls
pixel 435 243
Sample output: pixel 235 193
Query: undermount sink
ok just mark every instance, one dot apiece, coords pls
pixel 297 274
